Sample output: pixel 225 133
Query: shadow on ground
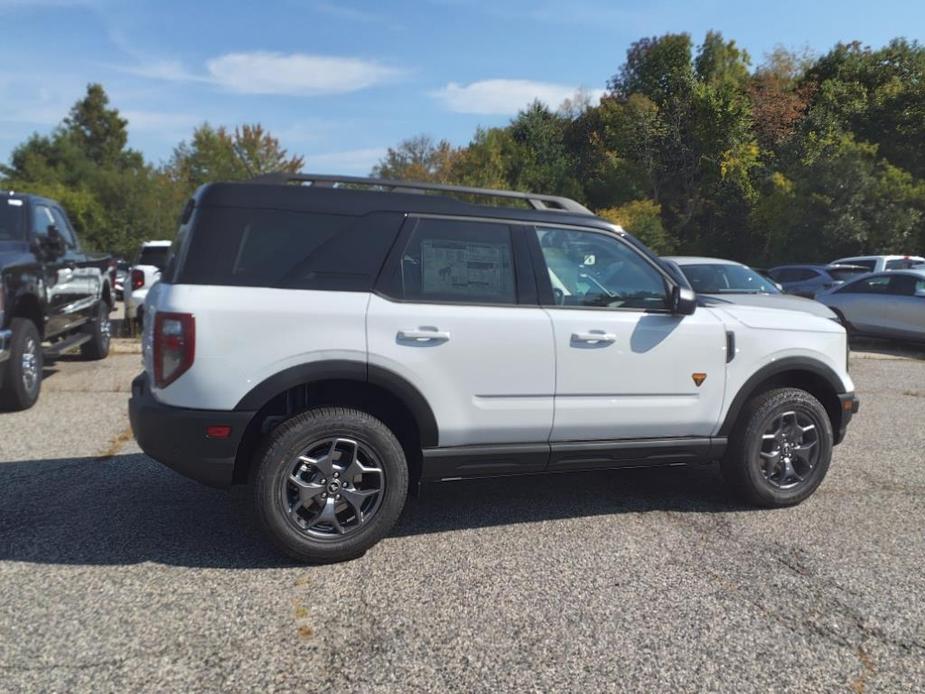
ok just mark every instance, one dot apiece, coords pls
pixel 892 348
pixel 129 509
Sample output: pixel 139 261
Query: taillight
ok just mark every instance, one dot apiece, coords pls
pixel 138 279
pixel 174 346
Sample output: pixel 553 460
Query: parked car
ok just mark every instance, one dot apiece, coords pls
pixel 880 263
pixel 719 281
pixel 123 270
pixel 339 345
pixel 54 297
pixel 151 260
pixel 806 280
pixel 887 304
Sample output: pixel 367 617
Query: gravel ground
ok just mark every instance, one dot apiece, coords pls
pixel 117 574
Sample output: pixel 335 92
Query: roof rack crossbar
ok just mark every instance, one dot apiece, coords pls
pixel 537 201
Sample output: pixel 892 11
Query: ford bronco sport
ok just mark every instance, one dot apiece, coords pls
pixel 338 341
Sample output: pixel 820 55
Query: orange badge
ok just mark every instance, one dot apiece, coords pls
pixel 699 378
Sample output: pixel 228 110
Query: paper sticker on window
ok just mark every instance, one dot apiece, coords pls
pixel 457 267
pixel 14 203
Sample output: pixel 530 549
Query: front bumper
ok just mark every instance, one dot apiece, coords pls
pixel 176 436
pixel 849 407
pixel 6 337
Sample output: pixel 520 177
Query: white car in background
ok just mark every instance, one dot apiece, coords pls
pixel 152 258
pixel 881 263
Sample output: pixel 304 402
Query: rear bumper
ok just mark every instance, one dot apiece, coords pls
pixel 849 407
pixel 6 337
pixel 176 436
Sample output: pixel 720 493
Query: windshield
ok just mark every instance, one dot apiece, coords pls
pixel 153 255
pixel 720 278
pixel 11 220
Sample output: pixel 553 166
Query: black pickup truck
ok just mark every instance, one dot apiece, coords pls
pixel 54 297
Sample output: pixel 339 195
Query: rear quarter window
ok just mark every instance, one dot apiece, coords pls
pixel 287 249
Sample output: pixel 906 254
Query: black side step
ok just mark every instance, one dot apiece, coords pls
pixel 59 348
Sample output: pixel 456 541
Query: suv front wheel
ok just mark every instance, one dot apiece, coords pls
pixel 780 450
pixel 329 484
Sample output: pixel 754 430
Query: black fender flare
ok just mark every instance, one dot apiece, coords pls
pixel 347 370
pixel 804 364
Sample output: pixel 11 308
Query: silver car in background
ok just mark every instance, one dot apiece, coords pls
pixel 886 304
pixel 718 281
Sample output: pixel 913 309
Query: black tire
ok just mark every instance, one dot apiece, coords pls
pixel 101 335
pixel 746 470
pixel 21 384
pixel 279 459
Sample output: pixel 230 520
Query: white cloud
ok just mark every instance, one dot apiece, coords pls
pixel 296 74
pixel 168 70
pixel 160 120
pixel 349 162
pixel 506 97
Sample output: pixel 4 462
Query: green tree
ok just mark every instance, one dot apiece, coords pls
pixel 418 158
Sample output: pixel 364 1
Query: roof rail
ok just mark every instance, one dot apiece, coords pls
pixel 537 201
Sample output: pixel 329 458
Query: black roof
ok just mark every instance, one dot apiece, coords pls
pixel 348 201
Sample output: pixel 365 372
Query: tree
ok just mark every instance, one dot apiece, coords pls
pixel 98 131
pixel 418 158
pixel 217 154
pixel 642 218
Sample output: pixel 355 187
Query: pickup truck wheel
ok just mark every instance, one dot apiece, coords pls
pixel 330 483
pixel 101 335
pixel 22 378
pixel 780 450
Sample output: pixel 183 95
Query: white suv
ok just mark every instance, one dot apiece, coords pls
pixel 880 263
pixel 334 346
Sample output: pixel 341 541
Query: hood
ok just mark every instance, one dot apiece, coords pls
pixel 785 302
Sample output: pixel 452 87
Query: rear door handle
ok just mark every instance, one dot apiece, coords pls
pixel 422 335
pixel 594 337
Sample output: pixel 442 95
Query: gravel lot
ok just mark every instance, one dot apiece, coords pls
pixel 117 574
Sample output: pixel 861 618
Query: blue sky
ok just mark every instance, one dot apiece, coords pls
pixel 340 81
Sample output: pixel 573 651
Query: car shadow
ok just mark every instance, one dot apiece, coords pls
pixel 129 509
pixel 888 347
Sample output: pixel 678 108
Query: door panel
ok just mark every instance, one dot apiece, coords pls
pixel 488 372
pixel 639 384
pixel 624 365
pixel 447 319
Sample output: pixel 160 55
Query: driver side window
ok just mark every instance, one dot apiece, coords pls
pixel 593 269
pixel 41 220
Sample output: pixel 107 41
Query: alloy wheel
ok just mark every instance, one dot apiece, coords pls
pixel 30 366
pixel 789 450
pixel 333 488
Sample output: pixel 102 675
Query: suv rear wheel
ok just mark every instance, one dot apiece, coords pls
pixel 780 451
pixel 22 380
pixel 329 484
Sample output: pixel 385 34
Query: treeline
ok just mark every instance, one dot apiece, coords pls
pixel 694 151
pixel 113 196
pixel 691 148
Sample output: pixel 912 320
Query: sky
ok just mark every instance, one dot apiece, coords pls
pixel 341 81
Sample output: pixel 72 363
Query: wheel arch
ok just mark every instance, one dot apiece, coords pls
pixel 811 375
pixel 381 392
pixel 29 306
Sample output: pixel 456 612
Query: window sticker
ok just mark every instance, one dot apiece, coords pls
pixel 14 203
pixel 457 267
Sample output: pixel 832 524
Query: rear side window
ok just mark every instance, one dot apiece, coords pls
pixel 284 249
pixel 902 263
pixel 153 255
pixel 458 261
pixel 11 220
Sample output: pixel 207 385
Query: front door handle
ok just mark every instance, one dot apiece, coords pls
pixel 596 337
pixel 423 335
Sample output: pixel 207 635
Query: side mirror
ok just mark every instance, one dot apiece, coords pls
pixel 683 301
pixel 54 242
